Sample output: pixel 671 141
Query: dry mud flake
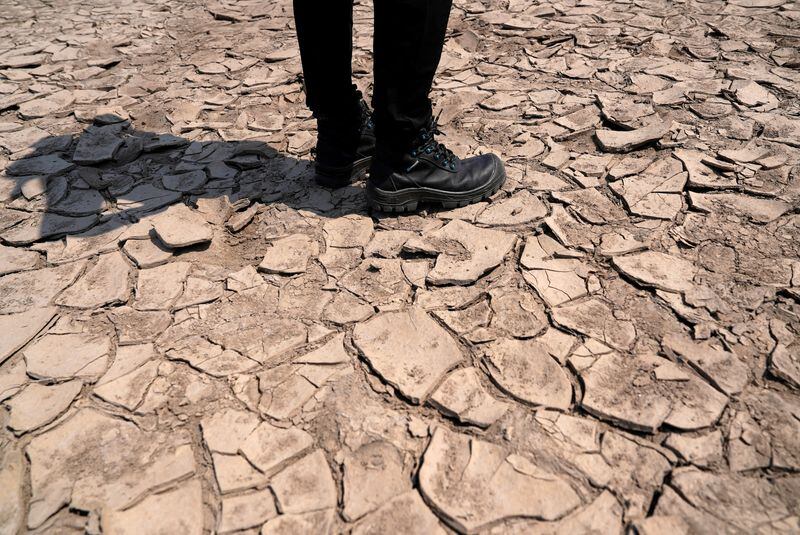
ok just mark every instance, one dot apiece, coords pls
pixel 700 175
pixel 595 318
pixel 12 379
pixel 262 445
pixel 517 312
pixel 747 154
pixel 173 511
pixel 106 283
pixel 79 203
pixel 38 405
pixel 305 296
pixel 373 475
pixel 55 104
pixel 289 524
pixel 198 291
pixel 337 261
pixel 146 198
pixel 525 370
pixel 210 358
pixel 465 252
pixel 40 165
pixel 95 462
pixel 97 147
pixel 628 140
pixel 244 279
pixel 245 511
pixel 603 515
pixel 268 447
pixel 618 243
pixel 225 431
pixel 462 395
pixel 659 270
pixel 240 220
pixel 765 434
pixel 570 231
pixel 16 259
pixel 749 446
pixel 475 484
pixel 700 450
pixel 19 328
pixel 185 182
pixel 12 481
pixel 333 352
pixel 721 368
pixel 754 208
pixel 468 319
pixel 64 356
pixel 129 390
pixel 409 350
pixel 35 289
pixel 660 524
pixel 655 191
pixel 180 226
pixel 784 363
pixel 378 281
pixel 582 120
pixel 147 253
pixel 289 255
pixel 753 94
pixel 286 389
pixel 592 205
pixel 15 61
pixel 635 469
pixel 523 207
pixel 160 287
pixel 348 231
pixel 555 276
pixel 240 324
pixel 726 503
pixel 305 486
pixel 233 473
pixel 101 239
pixel 136 326
pixel 627 391
pixel 387 243
pixel 624 112
pixel 406 513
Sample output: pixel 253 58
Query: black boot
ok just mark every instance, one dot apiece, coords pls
pixel 431 173
pixel 345 146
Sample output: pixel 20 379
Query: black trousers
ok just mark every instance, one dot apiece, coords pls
pixel 409 36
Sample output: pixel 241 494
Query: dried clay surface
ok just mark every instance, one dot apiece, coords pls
pixel 195 338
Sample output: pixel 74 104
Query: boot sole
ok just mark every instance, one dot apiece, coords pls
pixel 338 177
pixel 408 200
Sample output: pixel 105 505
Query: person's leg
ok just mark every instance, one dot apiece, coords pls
pixel 325 36
pixel 345 140
pixel 409 36
pixel 410 166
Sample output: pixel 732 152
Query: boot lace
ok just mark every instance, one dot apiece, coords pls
pixel 427 144
pixel 366 117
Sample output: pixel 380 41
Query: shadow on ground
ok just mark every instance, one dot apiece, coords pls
pixel 111 175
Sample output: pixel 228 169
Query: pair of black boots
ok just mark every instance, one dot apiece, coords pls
pixel 427 173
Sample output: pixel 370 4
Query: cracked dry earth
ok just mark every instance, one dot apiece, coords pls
pixel 195 338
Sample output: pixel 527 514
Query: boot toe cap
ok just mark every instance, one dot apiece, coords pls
pixel 482 169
